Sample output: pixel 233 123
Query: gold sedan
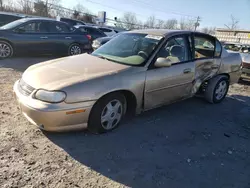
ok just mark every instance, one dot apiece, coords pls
pixel 132 73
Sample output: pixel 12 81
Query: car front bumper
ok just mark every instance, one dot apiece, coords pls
pixel 53 117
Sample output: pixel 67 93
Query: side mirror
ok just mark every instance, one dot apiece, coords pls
pixel 245 51
pixel 162 62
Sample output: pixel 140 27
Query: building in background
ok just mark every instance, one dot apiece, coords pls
pixel 237 36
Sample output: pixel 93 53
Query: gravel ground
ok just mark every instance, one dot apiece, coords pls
pixel 187 144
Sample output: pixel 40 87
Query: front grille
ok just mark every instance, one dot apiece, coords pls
pixel 246 65
pixel 24 88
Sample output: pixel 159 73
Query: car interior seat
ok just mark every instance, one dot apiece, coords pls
pixel 176 54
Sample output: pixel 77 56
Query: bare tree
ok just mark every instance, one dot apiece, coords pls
pixel 118 23
pixel 26 6
pixel 233 25
pixel 44 8
pixel 129 20
pixel 1 4
pixel 80 8
pixel 170 24
pixel 151 22
pixel 160 24
pixel 187 24
pixel 208 30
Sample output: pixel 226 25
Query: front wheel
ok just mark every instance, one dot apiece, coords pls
pixel 74 49
pixel 107 113
pixel 217 89
pixel 6 50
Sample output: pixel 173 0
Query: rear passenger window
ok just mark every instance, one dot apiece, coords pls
pixel 105 30
pixel 217 49
pixel 94 31
pixel 57 27
pixel 204 47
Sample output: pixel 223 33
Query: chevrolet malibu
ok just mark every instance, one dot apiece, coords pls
pixel 135 72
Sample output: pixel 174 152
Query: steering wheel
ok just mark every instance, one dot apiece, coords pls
pixel 143 54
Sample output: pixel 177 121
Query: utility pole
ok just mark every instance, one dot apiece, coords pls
pixel 197 23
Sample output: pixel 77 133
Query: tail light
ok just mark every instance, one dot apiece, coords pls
pixel 89 37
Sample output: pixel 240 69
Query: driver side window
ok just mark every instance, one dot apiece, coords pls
pixel 175 50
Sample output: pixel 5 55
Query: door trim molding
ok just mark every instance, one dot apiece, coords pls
pixel 167 87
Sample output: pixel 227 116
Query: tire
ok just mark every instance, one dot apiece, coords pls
pixel 74 49
pixel 102 115
pixel 217 89
pixel 6 50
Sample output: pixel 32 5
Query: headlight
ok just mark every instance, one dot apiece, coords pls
pixel 50 96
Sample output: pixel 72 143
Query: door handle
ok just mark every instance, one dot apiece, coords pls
pixel 185 71
pixel 43 37
pixel 67 37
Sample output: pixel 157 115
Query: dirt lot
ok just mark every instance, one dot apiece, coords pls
pixel 187 144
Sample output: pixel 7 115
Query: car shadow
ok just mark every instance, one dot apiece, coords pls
pixel 179 145
pixel 21 63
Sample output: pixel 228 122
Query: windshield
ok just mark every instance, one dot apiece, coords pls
pixel 129 48
pixel 12 25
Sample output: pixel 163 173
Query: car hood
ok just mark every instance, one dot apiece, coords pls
pixel 62 72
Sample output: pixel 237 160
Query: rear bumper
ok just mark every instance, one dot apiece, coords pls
pixel 54 117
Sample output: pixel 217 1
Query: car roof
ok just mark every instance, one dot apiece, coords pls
pixel 165 32
pixel 38 18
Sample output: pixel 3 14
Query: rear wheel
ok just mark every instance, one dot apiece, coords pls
pixel 107 113
pixel 217 89
pixel 74 49
pixel 6 50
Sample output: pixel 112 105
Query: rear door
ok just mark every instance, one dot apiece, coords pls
pixel 206 55
pixel 60 37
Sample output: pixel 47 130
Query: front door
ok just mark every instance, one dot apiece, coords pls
pixel 31 37
pixel 168 84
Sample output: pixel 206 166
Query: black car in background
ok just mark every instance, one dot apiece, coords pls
pixel 100 41
pixel 91 32
pixel 6 17
pixel 41 36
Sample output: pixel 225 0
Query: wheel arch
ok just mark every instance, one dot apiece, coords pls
pixel 6 40
pixel 224 74
pixel 130 99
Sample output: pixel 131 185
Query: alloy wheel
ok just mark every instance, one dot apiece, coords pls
pixel 75 50
pixel 5 50
pixel 221 90
pixel 111 114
